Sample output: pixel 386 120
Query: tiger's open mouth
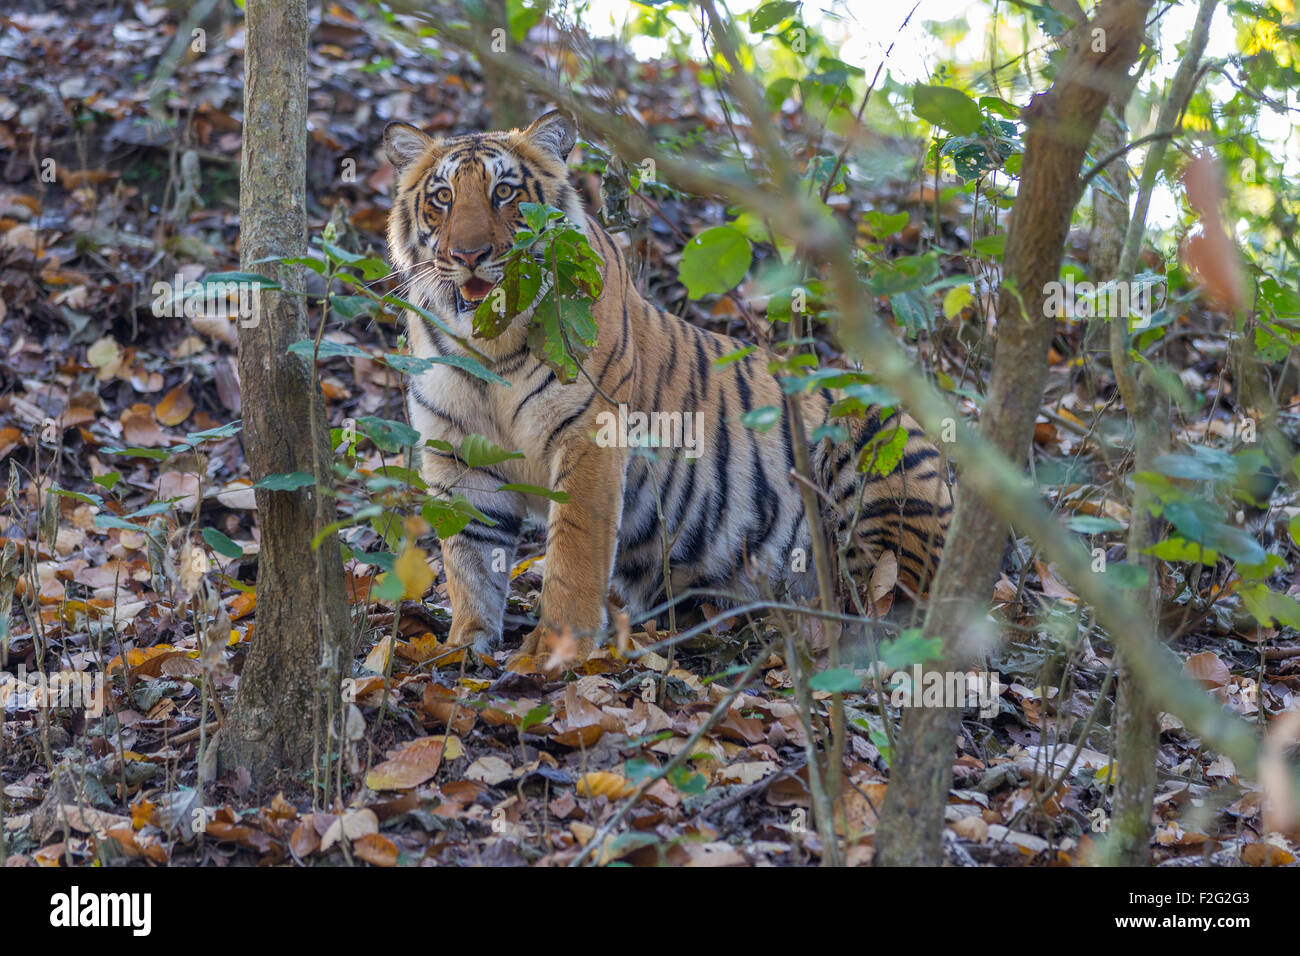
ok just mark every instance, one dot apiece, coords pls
pixel 475 290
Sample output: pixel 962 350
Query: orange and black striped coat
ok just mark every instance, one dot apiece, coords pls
pixel 732 519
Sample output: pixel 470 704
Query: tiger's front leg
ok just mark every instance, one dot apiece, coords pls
pixel 581 538
pixel 478 559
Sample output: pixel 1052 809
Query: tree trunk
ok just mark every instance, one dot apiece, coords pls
pixel 506 99
pixel 1059 127
pixel 302 612
pixel 1137 730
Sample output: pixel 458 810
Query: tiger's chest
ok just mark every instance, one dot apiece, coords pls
pixel 532 413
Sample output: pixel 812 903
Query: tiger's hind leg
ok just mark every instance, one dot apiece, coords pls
pixel 906 512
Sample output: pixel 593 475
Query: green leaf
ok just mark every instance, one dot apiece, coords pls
pixel 714 261
pixel 1198 463
pixel 1269 607
pixel 249 277
pixel 883 452
pixel 219 543
pixel 389 436
pixel 770 14
pixel 328 349
pixel 1090 524
pixel 1236 543
pixel 911 647
pixel 286 481
pixel 562 333
pixel 194 439
pixel 836 433
pixel 884 224
pixel 838 681
pixel 518 288
pixel 77 496
pixel 557 496
pixel 158 454
pixel 1180 549
pixel 687 781
pixel 761 418
pixel 106 520
pixel 477 452
pixel 948 108
pixel 351 306
pixel 1128 576
pixel 905 274
pixel 415 365
pixel 735 356
pixel 992 246
pixel 451 517
pixel 389 588
pixel 523 15
pixel 535 717
pixel 380 559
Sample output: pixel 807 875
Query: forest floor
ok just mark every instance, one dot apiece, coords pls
pixel 452 764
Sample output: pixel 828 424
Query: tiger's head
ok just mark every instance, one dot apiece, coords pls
pixel 456 206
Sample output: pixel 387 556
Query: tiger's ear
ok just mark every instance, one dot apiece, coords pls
pixel 405 144
pixel 553 132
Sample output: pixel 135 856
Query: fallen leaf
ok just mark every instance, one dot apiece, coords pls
pixel 175 406
pixel 412 764
pixel 375 849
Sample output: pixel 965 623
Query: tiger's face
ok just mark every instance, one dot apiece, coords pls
pixel 456 206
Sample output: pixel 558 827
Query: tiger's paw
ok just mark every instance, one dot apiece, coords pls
pixel 549 652
pixel 480 642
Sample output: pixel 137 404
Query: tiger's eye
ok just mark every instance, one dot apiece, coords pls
pixel 442 195
pixel 504 191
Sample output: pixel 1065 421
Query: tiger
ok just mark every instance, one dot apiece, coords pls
pixel 730 515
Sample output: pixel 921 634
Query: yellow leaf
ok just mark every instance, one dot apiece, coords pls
pixel 377 660
pixel 524 565
pixel 956 299
pixel 413 571
pixel 602 783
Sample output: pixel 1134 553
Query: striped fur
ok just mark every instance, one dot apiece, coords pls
pixel 732 517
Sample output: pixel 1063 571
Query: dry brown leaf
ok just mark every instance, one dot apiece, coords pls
pixel 490 770
pixel 446 709
pixel 884 576
pixel 175 406
pixel 1052 586
pixel 140 428
pixel 376 849
pixel 1266 854
pixel 411 765
pixel 1207 668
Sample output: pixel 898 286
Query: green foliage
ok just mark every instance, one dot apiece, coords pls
pixel 552 257
pixel 947 108
pixel 715 261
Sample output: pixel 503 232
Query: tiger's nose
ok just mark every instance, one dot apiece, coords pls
pixel 471 257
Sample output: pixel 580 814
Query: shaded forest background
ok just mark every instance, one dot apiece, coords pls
pixel 129 536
